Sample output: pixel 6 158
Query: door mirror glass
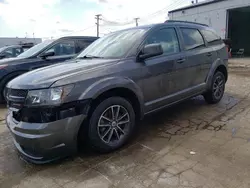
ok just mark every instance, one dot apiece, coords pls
pixel 151 50
pixel 47 54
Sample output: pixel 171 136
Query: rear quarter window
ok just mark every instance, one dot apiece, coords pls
pixel 211 37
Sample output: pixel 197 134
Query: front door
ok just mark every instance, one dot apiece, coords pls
pixel 159 82
pixel 63 50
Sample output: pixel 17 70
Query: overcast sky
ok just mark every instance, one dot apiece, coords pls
pixel 55 18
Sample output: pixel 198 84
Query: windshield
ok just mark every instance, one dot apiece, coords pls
pixel 35 49
pixel 3 48
pixel 114 45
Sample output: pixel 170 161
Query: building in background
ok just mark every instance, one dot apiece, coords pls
pixel 230 18
pixel 5 41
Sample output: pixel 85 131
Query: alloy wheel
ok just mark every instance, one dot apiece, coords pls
pixel 218 87
pixel 113 124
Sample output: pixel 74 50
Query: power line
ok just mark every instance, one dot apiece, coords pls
pixel 115 23
pixel 171 6
pixel 149 16
pixel 74 32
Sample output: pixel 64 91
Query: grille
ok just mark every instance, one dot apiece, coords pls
pixel 17 92
pixel 16 95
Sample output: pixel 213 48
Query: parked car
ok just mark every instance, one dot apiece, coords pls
pixel 115 81
pixel 12 51
pixel 46 53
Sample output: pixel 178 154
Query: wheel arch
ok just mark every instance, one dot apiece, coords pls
pixel 223 69
pixel 12 75
pixel 116 86
pixel 8 77
pixel 123 92
pixel 121 87
pixel 218 65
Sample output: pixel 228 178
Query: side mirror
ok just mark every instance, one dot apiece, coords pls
pixel 46 54
pixel 2 56
pixel 151 50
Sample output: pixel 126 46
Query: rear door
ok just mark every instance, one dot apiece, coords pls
pixel 194 56
pixel 214 44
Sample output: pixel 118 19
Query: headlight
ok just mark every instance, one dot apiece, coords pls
pixel 50 96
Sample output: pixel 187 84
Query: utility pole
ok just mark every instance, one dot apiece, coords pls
pixel 97 17
pixel 196 1
pixel 136 21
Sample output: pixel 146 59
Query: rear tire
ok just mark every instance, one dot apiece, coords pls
pixel 111 124
pixel 216 90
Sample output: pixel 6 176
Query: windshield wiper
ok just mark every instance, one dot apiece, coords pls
pixel 89 57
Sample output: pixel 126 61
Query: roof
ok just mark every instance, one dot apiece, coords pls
pixel 137 27
pixel 180 22
pixel 11 46
pixel 168 22
pixel 80 37
pixel 196 5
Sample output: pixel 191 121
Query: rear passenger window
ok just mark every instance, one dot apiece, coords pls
pixel 192 38
pixel 210 36
pixel 167 38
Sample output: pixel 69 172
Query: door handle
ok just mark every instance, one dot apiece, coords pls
pixel 181 60
pixel 209 54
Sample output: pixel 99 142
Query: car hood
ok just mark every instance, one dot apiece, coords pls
pixel 14 60
pixel 45 77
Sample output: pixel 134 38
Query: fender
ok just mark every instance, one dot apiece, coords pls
pixel 103 85
pixel 212 70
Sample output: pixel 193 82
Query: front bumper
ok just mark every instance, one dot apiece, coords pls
pixel 44 142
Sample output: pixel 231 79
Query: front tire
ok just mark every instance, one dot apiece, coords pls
pixel 216 91
pixel 111 124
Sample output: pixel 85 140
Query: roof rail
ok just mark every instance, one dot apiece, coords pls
pixel 179 21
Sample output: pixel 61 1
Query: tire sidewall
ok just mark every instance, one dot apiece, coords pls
pixel 93 135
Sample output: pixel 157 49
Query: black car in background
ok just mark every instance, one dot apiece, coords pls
pixel 12 50
pixel 44 54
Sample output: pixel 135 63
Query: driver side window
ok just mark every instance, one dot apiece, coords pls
pixel 63 48
pixel 167 38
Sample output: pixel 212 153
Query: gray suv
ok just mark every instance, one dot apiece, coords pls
pixel 117 80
